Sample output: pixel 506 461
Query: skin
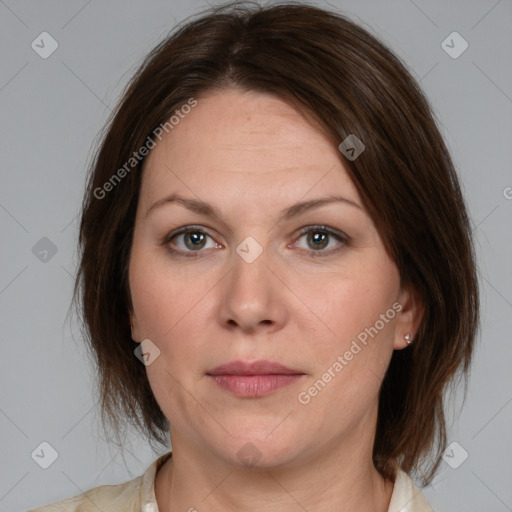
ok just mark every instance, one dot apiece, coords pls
pixel 251 155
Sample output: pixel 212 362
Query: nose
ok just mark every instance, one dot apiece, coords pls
pixel 253 296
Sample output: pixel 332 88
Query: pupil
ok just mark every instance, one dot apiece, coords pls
pixel 319 237
pixel 194 238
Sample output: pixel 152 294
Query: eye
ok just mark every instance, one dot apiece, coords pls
pixel 318 238
pixel 193 240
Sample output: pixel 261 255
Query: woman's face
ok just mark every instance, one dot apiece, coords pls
pixel 248 276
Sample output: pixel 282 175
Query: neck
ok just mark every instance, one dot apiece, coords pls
pixel 334 479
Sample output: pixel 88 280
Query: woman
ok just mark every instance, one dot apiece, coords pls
pixel 277 269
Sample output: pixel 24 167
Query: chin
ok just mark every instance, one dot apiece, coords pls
pixel 261 447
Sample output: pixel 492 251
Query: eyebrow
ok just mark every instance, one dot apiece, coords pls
pixel 202 208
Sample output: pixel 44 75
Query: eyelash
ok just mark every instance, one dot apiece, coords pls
pixel 341 237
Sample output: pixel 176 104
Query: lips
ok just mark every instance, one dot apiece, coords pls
pixel 261 367
pixel 255 379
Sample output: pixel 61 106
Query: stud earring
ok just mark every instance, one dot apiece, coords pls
pixel 408 339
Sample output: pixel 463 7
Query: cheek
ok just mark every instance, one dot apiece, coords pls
pixel 341 306
pixel 173 310
pixel 167 308
pixel 350 359
pixel 162 296
pixel 350 335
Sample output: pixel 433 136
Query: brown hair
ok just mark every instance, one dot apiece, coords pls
pixel 341 76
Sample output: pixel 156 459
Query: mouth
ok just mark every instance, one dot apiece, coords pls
pixel 259 378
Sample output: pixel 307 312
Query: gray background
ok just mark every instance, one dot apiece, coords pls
pixel 51 112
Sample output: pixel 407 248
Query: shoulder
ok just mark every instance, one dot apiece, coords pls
pixel 106 497
pixel 129 496
pixel 407 497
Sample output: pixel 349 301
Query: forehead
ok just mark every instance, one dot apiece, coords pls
pixel 248 142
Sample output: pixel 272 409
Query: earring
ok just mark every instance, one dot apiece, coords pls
pixel 408 339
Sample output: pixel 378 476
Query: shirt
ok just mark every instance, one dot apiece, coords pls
pixel 138 495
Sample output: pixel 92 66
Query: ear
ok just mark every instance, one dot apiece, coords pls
pixel 135 328
pixel 410 316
